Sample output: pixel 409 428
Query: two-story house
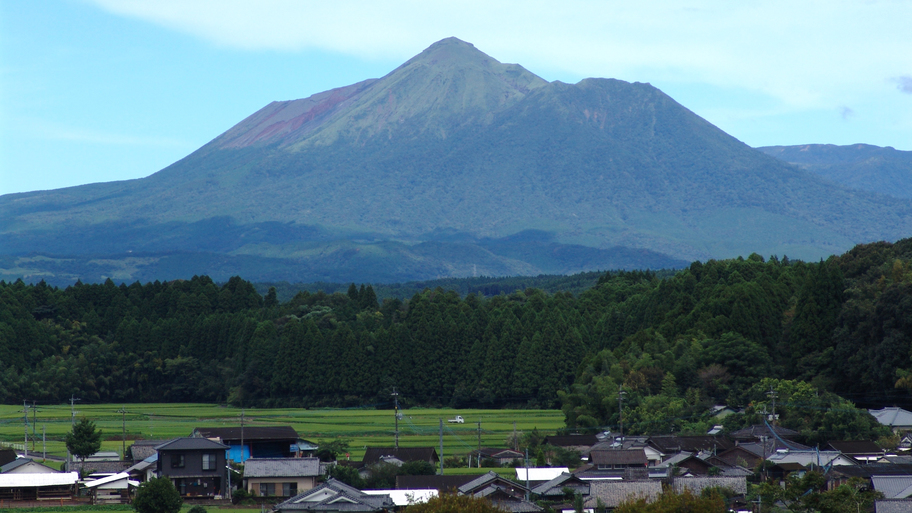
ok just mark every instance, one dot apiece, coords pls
pixel 196 466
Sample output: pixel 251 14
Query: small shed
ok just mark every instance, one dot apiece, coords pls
pixel 114 489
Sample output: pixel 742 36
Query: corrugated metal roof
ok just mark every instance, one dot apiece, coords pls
pixel 35 480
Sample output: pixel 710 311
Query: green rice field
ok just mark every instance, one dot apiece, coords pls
pixel 362 427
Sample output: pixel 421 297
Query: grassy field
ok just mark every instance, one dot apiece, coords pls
pixel 363 427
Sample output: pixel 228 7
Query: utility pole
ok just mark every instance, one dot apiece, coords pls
pixel 73 400
pixel 242 435
pixel 34 423
pixel 515 443
pixel 44 452
pixel 25 409
pixel 479 439
pixel 772 395
pixel 396 403
pixel 123 417
pixel 621 395
pixel 441 447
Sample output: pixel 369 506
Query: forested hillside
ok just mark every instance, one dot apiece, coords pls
pixel 707 335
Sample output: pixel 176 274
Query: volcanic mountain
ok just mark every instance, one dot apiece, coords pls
pixel 452 164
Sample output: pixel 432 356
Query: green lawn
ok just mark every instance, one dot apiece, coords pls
pixel 418 427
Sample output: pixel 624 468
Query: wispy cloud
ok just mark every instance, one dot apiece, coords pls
pixel 808 54
pixel 904 83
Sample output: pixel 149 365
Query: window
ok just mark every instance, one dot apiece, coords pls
pixel 267 489
pixel 209 461
pixel 289 489
pixel 177 461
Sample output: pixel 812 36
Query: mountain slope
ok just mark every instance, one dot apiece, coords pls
pixel 452 164
pixel 859 166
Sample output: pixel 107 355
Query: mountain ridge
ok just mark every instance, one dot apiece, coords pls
pixel 453 143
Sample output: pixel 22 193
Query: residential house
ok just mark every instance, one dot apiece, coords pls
pixel 336 496
pixel 437 482
pixel 618 459
pixel 196 466
pixel 702 445
pixel 686 463
pixel 499 457
pixel 897 419
pixel 581 443
pixel 736 456
pixel 398 456
pixel 864 451
pixel 27 466
pixel 557 488
pixel 280 477
pixel 255 442
pixel 113 489
pixel 504 493
pixel 893 487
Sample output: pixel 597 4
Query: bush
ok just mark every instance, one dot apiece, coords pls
pixel 197 509
pixel 157 495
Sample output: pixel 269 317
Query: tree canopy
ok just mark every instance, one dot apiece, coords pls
pixel 83 440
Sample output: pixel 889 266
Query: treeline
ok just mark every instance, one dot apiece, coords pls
pixel 706 335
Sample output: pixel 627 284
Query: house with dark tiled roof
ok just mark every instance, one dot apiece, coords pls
pixel 254 441
pixel 556 488
pixel 687 462
pixel 399 456
pixel 435 482
pixel 335 496
pixel 498 455
pixel 196 466
pixel 737 456
pixel 503 492
pixel 618 459
pixel 865 451
pixel 673 444
pixel 841 474
pixel 280 477
pixel 581 443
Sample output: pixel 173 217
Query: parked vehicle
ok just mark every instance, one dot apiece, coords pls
pixel 457 420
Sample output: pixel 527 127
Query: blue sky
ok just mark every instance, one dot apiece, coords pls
pixel 101 90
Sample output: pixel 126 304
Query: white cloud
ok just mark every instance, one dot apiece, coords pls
pixel 811 54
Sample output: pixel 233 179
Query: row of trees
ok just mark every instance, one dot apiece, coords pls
pixel 838 331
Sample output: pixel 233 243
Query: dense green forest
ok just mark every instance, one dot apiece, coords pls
pixel 824 336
